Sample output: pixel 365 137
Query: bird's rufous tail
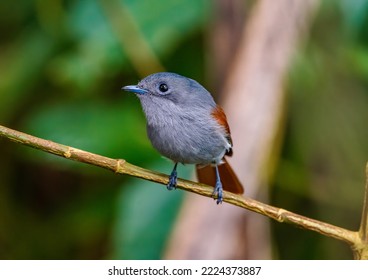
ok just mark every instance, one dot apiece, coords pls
pixel 230 182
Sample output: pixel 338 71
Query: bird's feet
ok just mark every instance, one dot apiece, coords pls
pixel 171 185
pixel 218 192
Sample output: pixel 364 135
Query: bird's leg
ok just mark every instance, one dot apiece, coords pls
pixel 173 178
pixel 218 188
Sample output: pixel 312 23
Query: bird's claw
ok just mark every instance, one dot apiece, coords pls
pixel 171 185
pixel 218 192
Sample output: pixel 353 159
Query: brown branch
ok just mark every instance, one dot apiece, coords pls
pixel 363 231
pixel 123 167
pixel 362 251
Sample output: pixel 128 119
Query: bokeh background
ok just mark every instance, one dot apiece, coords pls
pixel 62 65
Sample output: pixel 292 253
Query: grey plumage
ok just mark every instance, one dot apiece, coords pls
pixel 179 121
pixel 184 123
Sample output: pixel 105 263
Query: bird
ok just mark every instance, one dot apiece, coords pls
pixel 185 125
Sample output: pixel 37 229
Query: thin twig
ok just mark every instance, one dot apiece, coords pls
pixel 363 230
pixel 123 167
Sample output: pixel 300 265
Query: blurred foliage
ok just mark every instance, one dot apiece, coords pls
pixel 62 67
pixel 146 216
pixel 321 171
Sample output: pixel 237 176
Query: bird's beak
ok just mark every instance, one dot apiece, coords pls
pixel 135 89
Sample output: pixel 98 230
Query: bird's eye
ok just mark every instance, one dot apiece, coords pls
pixel 163 88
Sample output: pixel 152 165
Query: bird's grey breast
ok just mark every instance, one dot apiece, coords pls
pixel 186 136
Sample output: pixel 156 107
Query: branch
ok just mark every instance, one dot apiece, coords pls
pixel 363 230
pixel 121 166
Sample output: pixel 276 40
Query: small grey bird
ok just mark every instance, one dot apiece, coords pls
pixel 186 125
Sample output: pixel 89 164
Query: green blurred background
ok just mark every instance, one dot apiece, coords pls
pixel 62 64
